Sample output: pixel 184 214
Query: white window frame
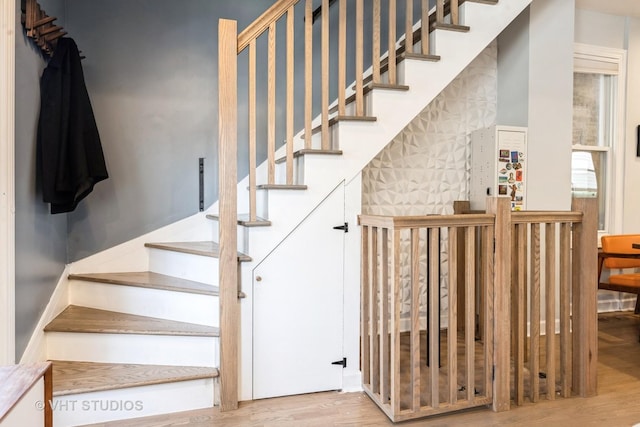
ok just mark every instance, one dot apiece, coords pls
pixel 7 178
pixel 608 61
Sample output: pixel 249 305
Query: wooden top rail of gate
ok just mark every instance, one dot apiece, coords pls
pixel 403 222
pixel 542 217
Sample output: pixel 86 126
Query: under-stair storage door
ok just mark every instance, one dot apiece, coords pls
pixel 298 307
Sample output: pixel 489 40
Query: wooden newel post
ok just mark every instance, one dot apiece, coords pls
pixel 228 201
pixel 500 207
pixel 584 298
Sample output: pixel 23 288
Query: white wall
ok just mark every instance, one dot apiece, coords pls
pixel 550 104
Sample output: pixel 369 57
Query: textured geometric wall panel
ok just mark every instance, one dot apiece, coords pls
pixel 426 167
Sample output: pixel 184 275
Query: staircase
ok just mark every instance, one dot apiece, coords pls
pixel 148 324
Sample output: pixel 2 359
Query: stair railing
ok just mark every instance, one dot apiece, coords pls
pixel 231 45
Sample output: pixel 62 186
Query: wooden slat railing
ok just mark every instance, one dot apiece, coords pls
pixel 497 291
pixel 405 354
pixel 349 51
pixel 552 357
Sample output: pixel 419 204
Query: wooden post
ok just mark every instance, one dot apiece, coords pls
pixel 364 306
pixel 228 178
pixel 396 295
pixel 461 207
pixel 499 206
pixel 584 298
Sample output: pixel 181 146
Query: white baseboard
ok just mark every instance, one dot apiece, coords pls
pixel 351 381
pixel 36 350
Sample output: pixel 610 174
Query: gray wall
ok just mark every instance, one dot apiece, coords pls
pixel 513 73
pixel 600 29
pixel 40 237
pixel 535 89
pixel 550 104
pixel 151 73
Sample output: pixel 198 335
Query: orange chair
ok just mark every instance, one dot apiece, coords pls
pixel 618 253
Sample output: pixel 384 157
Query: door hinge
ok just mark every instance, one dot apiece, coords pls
pixel 342 362
pixel 344 227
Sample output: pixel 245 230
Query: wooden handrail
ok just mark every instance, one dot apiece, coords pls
pixel 17 380
pixel 524 217
pixel 260 25
pixel 400 222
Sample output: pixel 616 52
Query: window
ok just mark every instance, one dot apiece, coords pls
pixel 598 132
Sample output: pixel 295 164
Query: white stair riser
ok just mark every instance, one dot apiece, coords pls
pixel 179 306
pixel 134 402
pixel 185 266
pixel 131 348
pixel 290 206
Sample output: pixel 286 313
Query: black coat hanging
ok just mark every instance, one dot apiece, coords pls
pixel 69 153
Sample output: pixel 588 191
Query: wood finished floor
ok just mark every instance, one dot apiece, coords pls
pixel 617 403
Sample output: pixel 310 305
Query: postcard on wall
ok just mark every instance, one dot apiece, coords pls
pixel 512 167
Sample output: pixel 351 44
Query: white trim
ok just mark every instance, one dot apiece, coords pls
pixel 582 147
pixel 7 178
pixel 36 350
pixel 614 62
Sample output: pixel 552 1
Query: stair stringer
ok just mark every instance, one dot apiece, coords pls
pixel 360 143
pixel 132 255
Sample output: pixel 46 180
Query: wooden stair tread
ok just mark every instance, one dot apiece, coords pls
pixel 385 86
pixel 90 320
pixel 245 221
pixel 148 279
pixel 83 377
pixel 210 249
pixel 451 27
pixel 338 119
pixel 281 187
pixel 307 151
pixel 491 2
pixel 421 57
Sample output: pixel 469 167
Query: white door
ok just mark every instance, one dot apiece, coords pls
pixel 298 310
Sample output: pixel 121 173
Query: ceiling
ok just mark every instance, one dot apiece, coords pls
pixel 613 7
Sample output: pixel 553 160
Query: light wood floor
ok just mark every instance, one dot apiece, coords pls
pixel 617 403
